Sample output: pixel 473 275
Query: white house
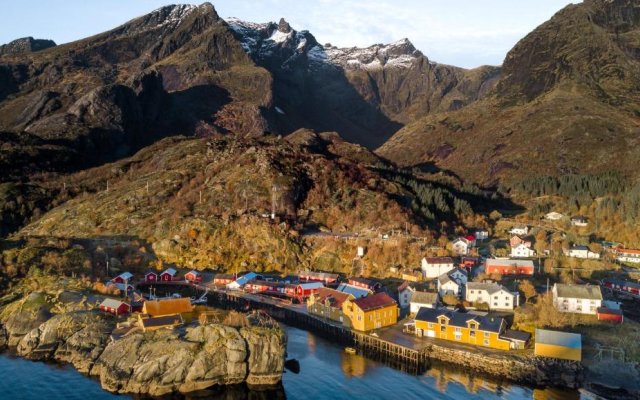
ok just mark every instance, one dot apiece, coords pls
pixel 447 285
pixel 581 299
pixel 405 293
pixel 423 299
pixel 522 251
pixel 554 216
pixel 433 267
pixel 579 221
pixel 519 230
pixel 628 255
pixel 581 252
pixel 459 275
pixel 493 294
pixel 461 246
pixel 481 235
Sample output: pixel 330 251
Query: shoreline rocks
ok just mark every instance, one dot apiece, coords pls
pixel 185 359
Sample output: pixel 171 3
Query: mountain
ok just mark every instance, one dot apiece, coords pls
pixel 365 94
pixel 567 102
pixel 181 69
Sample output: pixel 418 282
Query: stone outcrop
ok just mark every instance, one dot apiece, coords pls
pixel 153 363
pixel 532 370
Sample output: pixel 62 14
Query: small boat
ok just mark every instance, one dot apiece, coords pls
pixel 350 350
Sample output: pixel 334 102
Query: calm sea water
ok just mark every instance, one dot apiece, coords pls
pixel 326 372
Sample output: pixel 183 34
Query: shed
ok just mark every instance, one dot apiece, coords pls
pixel 123 277
pixel 518 339
pixel 610 315
pixel 555 344
pixel 168 274
pixel 154 323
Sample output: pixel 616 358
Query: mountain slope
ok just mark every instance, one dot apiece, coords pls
pixel 568 101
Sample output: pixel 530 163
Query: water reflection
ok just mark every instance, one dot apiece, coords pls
pixel 353 365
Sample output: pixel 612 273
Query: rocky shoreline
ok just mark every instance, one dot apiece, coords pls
pixel 184 359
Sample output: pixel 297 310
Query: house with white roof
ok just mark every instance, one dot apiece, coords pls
pixel 241 281
pixel 355 291
pixel 580 299
pixel 433 267
pixel 423 299
pixel 496 296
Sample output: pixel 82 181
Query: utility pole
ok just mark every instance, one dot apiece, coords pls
pixel 107 186
pixel 274 199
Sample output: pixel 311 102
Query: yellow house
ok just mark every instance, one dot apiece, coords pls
pixel 328 303
pixel 462 327
pixel 371 312
pixel 562 345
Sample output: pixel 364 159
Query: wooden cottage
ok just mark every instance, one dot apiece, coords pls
pixel 193 276
pixel 151 277
pixel 371 312
pixel 168 275
pixel 123 278
pixel 115 307
pixel 155 323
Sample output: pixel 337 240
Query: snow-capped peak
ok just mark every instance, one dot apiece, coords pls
pixel 400 53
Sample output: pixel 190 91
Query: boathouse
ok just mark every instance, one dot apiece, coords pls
pixel 168 275
pixel 193 276
pixel 150 277
pixel 155 323
pixel 161 307
pixel 122 278
pixel 555 344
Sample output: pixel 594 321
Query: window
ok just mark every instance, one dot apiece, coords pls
pixel 472 333
pixel 458 330
pixel 495 304
pixel 430 325
pixel 359 317
pixel 486 334
pixel 471 291
pixel 443 328
pixel 495 297
pixel 486 342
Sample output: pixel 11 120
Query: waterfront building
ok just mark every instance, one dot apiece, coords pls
pixel 168 274
pixel 326 278
pixel 193 276
pixel 155 323
pixel 405 293
pixel 555 344
pixel 461 327
pixel 356 291
pixel 223 279
pixel 371 312
pixel 162 307
pixel 123 278
pixel 365 283
pixel 243 280
pixel 150 276
pixel 328 303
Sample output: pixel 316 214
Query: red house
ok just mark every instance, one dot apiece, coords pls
pixel 508 267
pixel 150 277
pixel 223 279
pixel 610 315
pixel 629 287
pixel 302 289
pixel 193 276
pixel 365 283
pixel 260 286
pixel 115 307
pixel 311 276
pixel 168 274
pixel 123 277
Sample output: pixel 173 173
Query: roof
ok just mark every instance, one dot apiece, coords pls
pixel 311 285
pixel 445 278
pixel 589 292
pixel 125 275
pixel 578 218
pixel 520 226
pixel 628 251
pixel 167 306
pixel 353 290
pixel 244 279
pixel 375 301
pixel 490 287
pixel 621 282
pixel 516 335
pixel 365 281
pixel 611 311
pixel 424 297
pixel 319 275
pixel 193 271
pixel 224 276
pixel 564 339
pixel 456 318
pixel 150 272
pixel 113 303
pixel 265 283
pixel 462 239
pixel 334 296
pixel 169 271
pixel 167 320
pixel 581 248
pixel 439 260
pixel 509 262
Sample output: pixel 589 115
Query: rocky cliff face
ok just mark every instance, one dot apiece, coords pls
pixel 26 45
pixel 154 363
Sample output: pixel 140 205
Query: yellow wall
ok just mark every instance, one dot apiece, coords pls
pixel 367 320
pixel 324 311
pixel 493 338
pixel 562 352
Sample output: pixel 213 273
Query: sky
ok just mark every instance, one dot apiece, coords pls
pixel 466 33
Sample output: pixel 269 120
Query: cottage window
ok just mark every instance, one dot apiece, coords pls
pixel 472 333
pixel 486 342
pixel 486 334
pixel 495 304
pixel 458 330
pixel 443 328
